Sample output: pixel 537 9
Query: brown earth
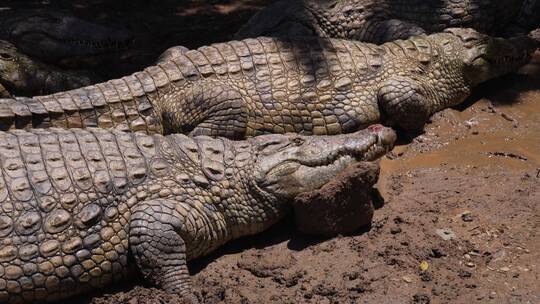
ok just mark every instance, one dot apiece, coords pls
pixel 461 211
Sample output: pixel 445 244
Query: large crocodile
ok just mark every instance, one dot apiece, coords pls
pixel 22 75
pixel 75 203
pixel 271 85
pixel 58 37
pixel 42 51
pixel 381 21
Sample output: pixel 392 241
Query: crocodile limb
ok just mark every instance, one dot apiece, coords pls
pixel 4 93
pixel 21 75
pixel 382 21
pixel 60 38
pixel 275 85
pixel 76 203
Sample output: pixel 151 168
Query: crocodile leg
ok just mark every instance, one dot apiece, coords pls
pixel 4 93
pixel 210 108
pixel 228 117
pixel 158 247
pixel 388 30
pixel 403 102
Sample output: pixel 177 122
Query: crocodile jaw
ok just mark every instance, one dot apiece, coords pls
pixel 485 57
pixel 319 159
pixel 65 38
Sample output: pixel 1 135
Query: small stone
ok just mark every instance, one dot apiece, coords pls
pixel 424 265
pixel 445 233
pixel 470 264
pixel 395 230
pixel 464 274
pixel 467 216
pixel 505 269
pixel 407 279
pixel 421 298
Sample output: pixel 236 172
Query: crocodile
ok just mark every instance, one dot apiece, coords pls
pixel 57 37
pixel 75 203
pixel 382 21
pixel 266 85
pixel 23 76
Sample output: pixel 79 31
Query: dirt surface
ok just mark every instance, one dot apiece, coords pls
pixel 461 212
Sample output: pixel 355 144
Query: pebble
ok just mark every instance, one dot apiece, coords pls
pixel 424 265
pixel 505 269
pixel 467 216
pixel 395 230
pixel 445 233
pixel 470 264
pixel 407 279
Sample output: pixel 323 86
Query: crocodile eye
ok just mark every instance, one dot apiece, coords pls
pixel 6 56
pixel 298 141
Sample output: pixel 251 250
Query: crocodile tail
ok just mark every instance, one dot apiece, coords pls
pixel 18 113
pixel 125 104
pixel 39 112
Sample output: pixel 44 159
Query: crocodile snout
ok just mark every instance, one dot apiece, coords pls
pixel 386 136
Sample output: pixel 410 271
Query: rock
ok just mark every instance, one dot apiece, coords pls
pixel 424 265
pixel 445 233
pixel 467 216
pixel 342 205
pixel 421 298
pixel 407 279
pixel 395 230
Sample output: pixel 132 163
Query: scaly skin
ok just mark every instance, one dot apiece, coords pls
pixel 269 85
pixel 21 75
pixel 75 203
pixel 382 21
pixel 60 38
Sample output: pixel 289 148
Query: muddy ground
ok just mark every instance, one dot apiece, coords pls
pixel 460 220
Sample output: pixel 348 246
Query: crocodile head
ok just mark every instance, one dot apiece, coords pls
pixel 485 57
pixel 55 36
pixel 24 76
pixel 12 64
pixel 287 165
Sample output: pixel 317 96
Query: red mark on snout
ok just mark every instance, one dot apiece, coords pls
pixel 376 128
